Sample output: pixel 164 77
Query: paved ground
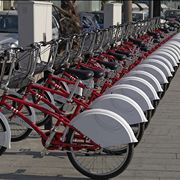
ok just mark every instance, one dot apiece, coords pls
pixel 157 157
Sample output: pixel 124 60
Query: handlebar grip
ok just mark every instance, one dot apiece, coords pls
pixel 20 49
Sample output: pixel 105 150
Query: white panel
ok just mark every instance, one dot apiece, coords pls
pixel 173 48
pixel 104 127
pixel 154 71
pixel 132 92
pixel 160 65
pixel 170 52
pixel 112 14
pixel 175 43
pixel 141 84
pixel 163 59
pixel 167 56
pixel 121 105
pixel 35 24
pixel 148 77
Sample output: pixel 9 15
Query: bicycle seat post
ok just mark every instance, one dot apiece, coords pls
pixel 69 99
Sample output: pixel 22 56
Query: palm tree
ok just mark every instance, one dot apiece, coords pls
pixel 68 18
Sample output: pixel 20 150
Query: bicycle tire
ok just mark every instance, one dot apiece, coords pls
pixel 2 129
pixel 19 131
pixel 139 132
pixel 104 174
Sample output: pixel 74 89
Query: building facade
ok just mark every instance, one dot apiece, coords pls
pixel 94 5
pixel 6 5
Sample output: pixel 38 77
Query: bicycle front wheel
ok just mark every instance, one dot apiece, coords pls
pixel 99 164
pixel 2 130
pixel 19 128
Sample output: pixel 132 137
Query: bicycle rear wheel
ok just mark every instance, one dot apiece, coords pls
pixel 19 128
pixel 2 130
pixel 100 164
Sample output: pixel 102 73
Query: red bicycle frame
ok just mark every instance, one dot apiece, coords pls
pixel 58 140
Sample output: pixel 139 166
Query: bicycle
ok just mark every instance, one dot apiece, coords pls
pixel 76 144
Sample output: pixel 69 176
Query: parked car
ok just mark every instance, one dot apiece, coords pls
pixel 99 15
pixel 9 28
pixel 91 20
pixel 88 22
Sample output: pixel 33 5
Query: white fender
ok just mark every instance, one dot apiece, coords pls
pixel 148 77
pixel 167 56
pixel 104 127
pixel 121 105
pixel 172 48
pixel 173 51
pixel 5 137
pixel 154 71
pixel 176 36
pixel 174 43
pixel 163 59
pixel 160 65
pixel 17 119
pixel 170 52
pixel 134 93
pixel 142 84
pixel 175 39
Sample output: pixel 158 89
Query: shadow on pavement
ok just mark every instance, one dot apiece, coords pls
pixel 34 177
pixel 35 154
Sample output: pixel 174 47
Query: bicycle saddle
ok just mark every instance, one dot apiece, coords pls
pixel 110 65
pixel 127 53
pixel 153 33
pixel 118 56
pixel 137 42
pixel 97 72
pixel 144 48
pixel 80 73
